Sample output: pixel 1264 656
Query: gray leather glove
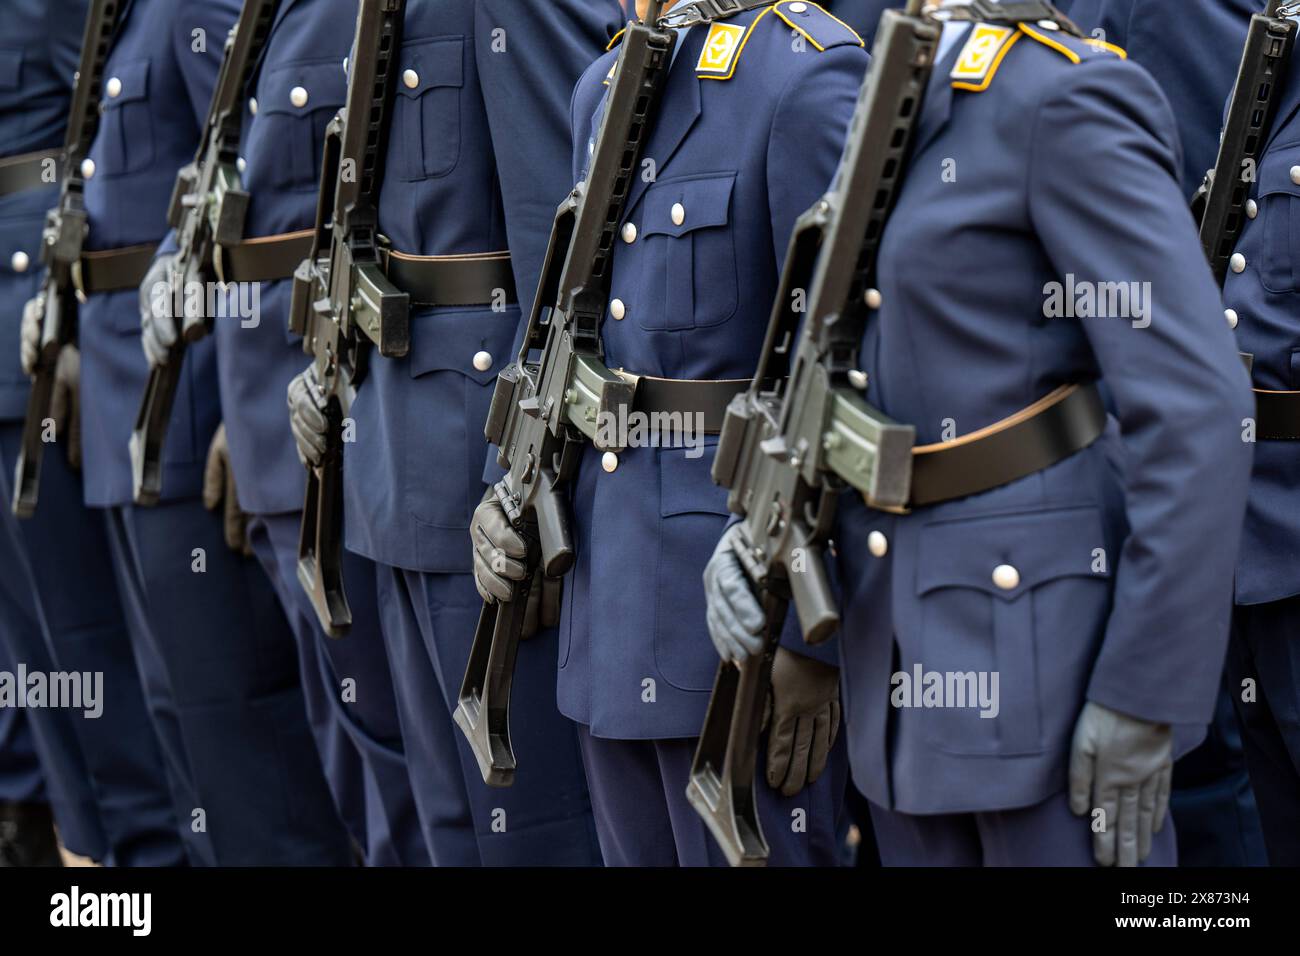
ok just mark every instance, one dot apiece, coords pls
pixel 1124 767
pixel 500 553
pixel 65 403
pixel 735 617
pixel 30 333
pixel 306 418
pixel 157 328
pixel 219 489
pixel 804 715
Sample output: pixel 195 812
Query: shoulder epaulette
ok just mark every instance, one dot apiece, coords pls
pixel 989 43
pixel 726 42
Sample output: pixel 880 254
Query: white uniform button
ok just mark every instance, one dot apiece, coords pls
pixel 252 105
pixel 298 97
pixel 798 8
pixel 411 79
pixel 873 298
pixel 618 309
pixel 629 233
pixel 1237 263
pixel 114 88
pixel 1006 577
pixel 678 214
pixel 1048 25
pixel 87 168
pixel 1295 175
pixel 609 461
pixel 241 164
pixel 858 378
pixel 1231 316
pixel 20 261
pixel 877 544
pixel 482 361
pixel 1252 209
pixel 345 64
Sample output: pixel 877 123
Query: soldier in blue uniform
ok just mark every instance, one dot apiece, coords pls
pixel 215 654
pixel 1264 656
pixel 1095 589
pixel 298 87
pixel 476 166
pixel 1192 48
pixel 59 608
pixel 752 122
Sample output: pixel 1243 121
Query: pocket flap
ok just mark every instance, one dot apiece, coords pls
pixel 1039 546
pixel 1275 171
pixel 325 82
pixel 11 69
pixel 449 339
pixel 701 202
pixel 426 64
pixel 134 80
pixel 686 484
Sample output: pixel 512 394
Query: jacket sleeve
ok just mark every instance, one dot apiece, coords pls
pixel 199 29
pixel 1104 200
pixel 528 65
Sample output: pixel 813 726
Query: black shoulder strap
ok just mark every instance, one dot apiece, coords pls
pixel 708 11
pixel 1012 12
pixel 101 24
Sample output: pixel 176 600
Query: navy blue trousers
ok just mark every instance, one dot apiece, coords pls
pixel 1046 834
pixel 20 770
pixel 221 679
pixel 1265 650
pixel 638 793
pixel 59 610
pixel 355 724
pixel 545 818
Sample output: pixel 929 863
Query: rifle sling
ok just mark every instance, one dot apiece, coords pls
pixel 1065 421
pixel 112 270
pixel 20 173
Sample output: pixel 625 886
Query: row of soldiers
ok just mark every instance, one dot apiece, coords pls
pixel 288 606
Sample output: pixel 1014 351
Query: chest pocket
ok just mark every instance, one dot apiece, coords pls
pixel 1279 201
pixel 126 134
pixel 11 69
pixel 690 254
pixel 426 116
pixel 294 105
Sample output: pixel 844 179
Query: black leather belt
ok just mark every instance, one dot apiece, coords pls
pixel 706 397
pixel 1277 415
pixel 20 173
pixel 1052 429
pixel 266 258
pixel 483 279
pixel 111 270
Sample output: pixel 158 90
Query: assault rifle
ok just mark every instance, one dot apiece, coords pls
pixel 342 300
pixel 64 234
pixel 543 411
pixel 208 208
pixel 800 435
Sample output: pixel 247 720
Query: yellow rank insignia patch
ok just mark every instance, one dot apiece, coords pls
pixel 721 48
pixel 980 57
